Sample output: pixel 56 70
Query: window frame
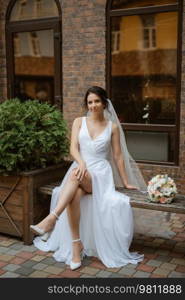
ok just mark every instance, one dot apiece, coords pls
pixel 149 127
pixel 51 23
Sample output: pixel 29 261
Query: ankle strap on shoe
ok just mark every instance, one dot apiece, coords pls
pixel 78 240
pixel 54 213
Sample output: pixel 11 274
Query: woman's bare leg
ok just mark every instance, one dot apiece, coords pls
pixel 67 195
pixel 73 211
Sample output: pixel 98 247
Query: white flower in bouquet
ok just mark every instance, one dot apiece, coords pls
pixel 162 189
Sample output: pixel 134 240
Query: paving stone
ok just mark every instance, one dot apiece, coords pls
pixel 24 271
pixel 145 268
pixel 12 252
pixel 112 270
pixel 161 271
pixel 131 266
pixel 38 274
pixel 163 258
pixel 16 246
pixel 180 269
pixel 127 271
pixel 29 264
pixel 162 252
pixel 29 248
pixel 5 257
pixel 116 275
pixel 49 261
pixel 168 266
pixel 59 264
pixel 11 267
pixel 38 258
pixel 87 276
pixel 103 274
pixel 178 261
pixel 9 275
pixel 24 254
pixel 174 274
pixel 7 243
pixel 154 263
pixel 18 260
pixel 148 250
pixel 3 263
pixel 53 270
pixel 140 274
pixel 3 249
pixel 89 270
pixel 70 274
pixel 39 266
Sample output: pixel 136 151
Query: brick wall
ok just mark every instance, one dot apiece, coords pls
pixel 84 60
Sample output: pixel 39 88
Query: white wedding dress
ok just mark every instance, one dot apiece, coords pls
pixel 106 223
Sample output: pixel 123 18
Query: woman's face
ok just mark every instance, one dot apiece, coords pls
pixel 94 103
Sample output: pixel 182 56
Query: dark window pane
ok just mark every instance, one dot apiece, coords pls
pixel 121 4
pixel 144 69
pixel 34 65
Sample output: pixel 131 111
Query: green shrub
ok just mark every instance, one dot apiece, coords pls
pixel 32 135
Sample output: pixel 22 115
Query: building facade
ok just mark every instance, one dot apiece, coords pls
pixel 54 50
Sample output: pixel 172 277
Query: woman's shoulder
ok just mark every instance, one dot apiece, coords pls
pixel 77 121
pixel 114 126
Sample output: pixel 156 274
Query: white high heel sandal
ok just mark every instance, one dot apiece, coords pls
pixel 41 232
pixel 76 265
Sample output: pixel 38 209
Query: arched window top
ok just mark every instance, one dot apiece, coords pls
pixel 124 4
pixel 33 9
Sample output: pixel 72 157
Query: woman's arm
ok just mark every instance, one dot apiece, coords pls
pixel 118 157
pixel 74 149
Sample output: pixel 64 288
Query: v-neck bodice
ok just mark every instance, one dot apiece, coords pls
pixel 99 135
pixel 99 147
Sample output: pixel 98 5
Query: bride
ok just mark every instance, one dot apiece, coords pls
pixel 87 215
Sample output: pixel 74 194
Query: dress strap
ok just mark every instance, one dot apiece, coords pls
pixel 110 127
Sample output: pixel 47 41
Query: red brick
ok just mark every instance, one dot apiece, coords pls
pixel 176 254
pixel 175 229
pixel 150 255
pixel 2 264
pixel 157 276
pixel 180 269
pixel 145 268
pixel 70 274
pixel 98 265
pixel 2 272
pixel 25 254
pixel 18 260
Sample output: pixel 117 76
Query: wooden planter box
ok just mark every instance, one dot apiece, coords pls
pixel 21 204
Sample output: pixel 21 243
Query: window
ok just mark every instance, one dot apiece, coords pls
pixel 142 75
pixel 34 61
pixel 17 46
pixel 115 41
pixel 35 44
pixel 149 32
pixel 33 9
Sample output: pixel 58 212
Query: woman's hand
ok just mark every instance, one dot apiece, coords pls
pixel 81 171
pixel 130 187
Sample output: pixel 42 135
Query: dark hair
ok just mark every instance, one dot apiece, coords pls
pixel 100 92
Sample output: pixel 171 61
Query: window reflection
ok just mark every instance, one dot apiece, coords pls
pixel 121 4
pixel 33 9
pixel 144 67
pixel 34 65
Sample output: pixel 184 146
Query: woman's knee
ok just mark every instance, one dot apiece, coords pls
pixel 72 175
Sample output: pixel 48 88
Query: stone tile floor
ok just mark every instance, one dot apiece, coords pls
pixel 159 236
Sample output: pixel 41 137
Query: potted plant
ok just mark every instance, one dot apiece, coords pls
pixel 33 147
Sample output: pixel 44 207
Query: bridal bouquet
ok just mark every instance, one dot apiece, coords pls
pixel 162 189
